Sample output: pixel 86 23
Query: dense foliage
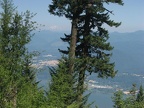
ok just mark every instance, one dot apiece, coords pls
pixel 88 51
pixel 132 100
pixel 18 86
pixel 62 86
pixel 88 47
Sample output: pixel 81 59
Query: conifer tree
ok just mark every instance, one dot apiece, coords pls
pixel 4 86
pixel 140 95
pixel 15 33
pixel 71 10
pixel 118 99
pixel 129 101
pixel 91 46
pixel 61 91
pixel 133 92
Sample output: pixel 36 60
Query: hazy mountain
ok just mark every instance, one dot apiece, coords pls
pixel 128 51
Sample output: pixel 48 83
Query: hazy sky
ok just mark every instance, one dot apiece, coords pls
pixel 131 15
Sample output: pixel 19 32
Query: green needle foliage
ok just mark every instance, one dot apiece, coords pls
pixel 15 32
pixel 88 47
pixel 118 99
pixel 91 45
pixel 18 87
pixel 131 100
pixel 61 89
pixel 140 95
pixel 5 83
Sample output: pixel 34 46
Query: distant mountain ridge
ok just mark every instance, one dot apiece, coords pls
pixel 128 51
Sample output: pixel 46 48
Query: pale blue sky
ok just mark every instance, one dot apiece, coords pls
pixel 131 15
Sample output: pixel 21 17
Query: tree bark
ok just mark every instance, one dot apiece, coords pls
pixel 73 45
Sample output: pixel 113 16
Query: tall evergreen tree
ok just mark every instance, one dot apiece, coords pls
pixel 72 11
pixel 15 33
pixel 91 46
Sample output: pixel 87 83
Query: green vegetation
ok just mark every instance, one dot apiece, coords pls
pixel 88 47
pixel 18 88
pixel 88 51
pixel 133 100
pixel 62 87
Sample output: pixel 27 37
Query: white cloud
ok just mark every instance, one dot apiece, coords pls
pixel 56 28
pixel 53 27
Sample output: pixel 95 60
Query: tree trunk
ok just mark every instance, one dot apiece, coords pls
pixel 73 45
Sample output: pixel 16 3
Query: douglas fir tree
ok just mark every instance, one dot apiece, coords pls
pixel 88 47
